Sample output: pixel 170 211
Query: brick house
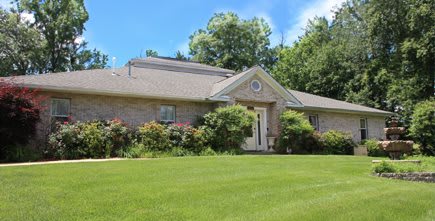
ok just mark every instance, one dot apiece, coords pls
pixel 168 90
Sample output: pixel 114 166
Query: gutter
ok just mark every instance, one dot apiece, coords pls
pixel 113 93
pixel 336 110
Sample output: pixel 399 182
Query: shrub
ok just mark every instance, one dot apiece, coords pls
pixel 423 126
pixel 187 137
pixel 228 127
pixel 373 149
pixel 94 139
pixel 131 151
pixel 337 142
pixel 295 129
pixel 208 152
pixel 397 167
pixel 19 114
pixel 154 137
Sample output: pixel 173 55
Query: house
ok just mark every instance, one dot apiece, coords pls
pixel 169 90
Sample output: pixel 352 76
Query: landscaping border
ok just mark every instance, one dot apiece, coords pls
pixel 428 177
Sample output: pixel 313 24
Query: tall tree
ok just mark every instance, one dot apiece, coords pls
pixel 231 42
pixel 53 42
pixel 378 53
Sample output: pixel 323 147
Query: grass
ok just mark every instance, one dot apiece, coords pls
pixel 212 188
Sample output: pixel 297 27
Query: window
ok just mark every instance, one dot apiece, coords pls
pixel 363 128
pixel 255 85
pixel 60 107
pixel 167 113
pixel 314 121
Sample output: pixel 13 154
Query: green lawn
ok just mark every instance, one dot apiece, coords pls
pixel 212 188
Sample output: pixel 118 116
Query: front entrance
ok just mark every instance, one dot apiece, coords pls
pixel 258 142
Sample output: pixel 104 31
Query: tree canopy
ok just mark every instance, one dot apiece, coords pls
pixel 53 42
pixel 377 53
pixel 231 42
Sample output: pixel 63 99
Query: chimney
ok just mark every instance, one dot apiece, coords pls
pixel 129 69
pixel 113 65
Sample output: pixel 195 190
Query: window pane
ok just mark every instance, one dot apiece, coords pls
pixel 363 134
pixel 60 107
pixel 362 123
pixel 313 121
pixel 167 113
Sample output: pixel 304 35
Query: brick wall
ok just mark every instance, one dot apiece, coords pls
pixel 134 111
pixel 349 123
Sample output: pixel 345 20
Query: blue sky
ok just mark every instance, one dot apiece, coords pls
pixel 124 29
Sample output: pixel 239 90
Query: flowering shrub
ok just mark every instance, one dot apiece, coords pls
pixel 91 139
pixel 186 137
pixel 19 114
pixel 154 136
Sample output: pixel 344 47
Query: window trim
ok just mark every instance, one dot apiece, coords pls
pixel 366 128
pixel 317 128
pixel 60 99
pixel 259 84
pixel 175 113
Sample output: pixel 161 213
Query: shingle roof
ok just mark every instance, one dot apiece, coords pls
pixel 145 82
pixel 163 78
pixel 319 102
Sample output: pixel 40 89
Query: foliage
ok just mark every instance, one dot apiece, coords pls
pixel 377 53
pixel 373 148
pixel 131 151
pixel 53 42
pixel 228 127
pixel 187 137
pixel 96 139
pixel 208 152
pixel 295 128
pixel 151 53
pixel 231 42
pixel 337 142
pixel 154 137
pixel 19 114
pixel 423 126
pixel 397 167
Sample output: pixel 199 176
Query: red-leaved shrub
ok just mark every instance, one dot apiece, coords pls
pixel 19 114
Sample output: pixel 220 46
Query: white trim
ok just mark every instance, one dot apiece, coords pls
pixel 267 78
pixel 344 111
pixel 60 99
pixel 259 85
pixel 115 93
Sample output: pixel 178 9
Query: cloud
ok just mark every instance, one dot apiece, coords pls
pixel 27 17
pixel 5 4
pixel 320 8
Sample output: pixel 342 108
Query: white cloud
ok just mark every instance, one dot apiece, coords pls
pixel 5 4
pixel 319 8
pixel 79 40
pixel 27 17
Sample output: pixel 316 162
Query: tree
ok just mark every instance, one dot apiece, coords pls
pixel 377 53
pixel 151 53
pixel 423 126
pixel 231 42
pixel 180 56
pixel 51 43
pixel 21 45
pixel 19 114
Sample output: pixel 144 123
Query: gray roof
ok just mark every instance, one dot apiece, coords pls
pixel 311 101
pixel 167 78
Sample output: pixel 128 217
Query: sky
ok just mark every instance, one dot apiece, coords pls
pixel 125 29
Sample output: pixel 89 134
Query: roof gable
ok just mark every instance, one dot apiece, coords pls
pixel 222 88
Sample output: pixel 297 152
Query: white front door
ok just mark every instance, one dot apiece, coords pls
pixel 258 142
